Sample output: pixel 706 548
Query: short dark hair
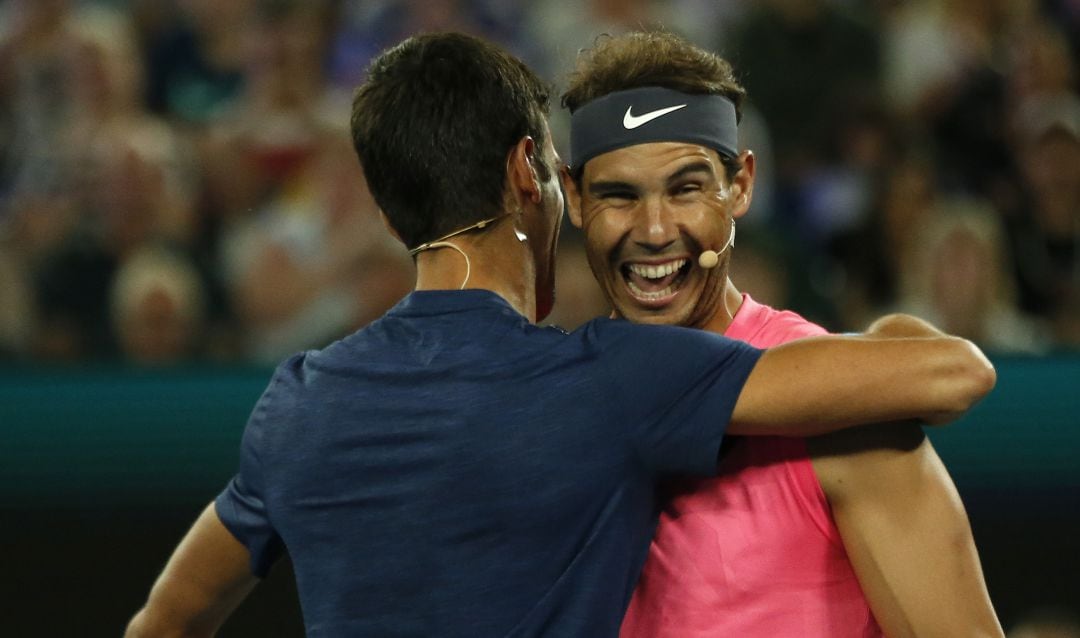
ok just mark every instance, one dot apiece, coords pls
pixel 432 126
pixel 652 58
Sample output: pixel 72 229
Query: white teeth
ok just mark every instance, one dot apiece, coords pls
pixel 648 296
pixel 649 271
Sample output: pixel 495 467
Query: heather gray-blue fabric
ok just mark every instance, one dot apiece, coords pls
pixel 453 470
pixel 652 114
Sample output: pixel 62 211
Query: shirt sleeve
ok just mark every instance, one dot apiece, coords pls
pixel 674 390
pixel 241 506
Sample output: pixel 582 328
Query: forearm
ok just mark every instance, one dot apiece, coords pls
pixel 819 385
pixel 203 582
pixel 149 623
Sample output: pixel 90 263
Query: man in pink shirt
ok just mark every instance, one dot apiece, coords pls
pixel 860 533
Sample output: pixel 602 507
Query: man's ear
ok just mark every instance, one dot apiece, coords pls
pixel 572 196
pixel 742 185
pixel 521 175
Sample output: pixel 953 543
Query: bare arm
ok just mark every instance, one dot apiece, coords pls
pixel 905 531
pixel 902 368
pixel 206 578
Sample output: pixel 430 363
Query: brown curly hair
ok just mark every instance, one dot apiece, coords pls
pixel 652 58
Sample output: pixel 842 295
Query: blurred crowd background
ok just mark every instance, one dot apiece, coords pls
pixel 177 181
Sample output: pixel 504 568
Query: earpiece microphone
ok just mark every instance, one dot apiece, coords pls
pixel 710 258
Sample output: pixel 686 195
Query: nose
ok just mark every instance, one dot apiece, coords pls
pixel 654 225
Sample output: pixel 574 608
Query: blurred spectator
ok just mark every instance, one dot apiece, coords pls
pixel 1039 63
pixel 365 28
pixel 1066 13
pixel 957 278
pixel 257 146
pixel 838 193
pixel 931 47
pixel 157 305
pixel 134 193
pixel 111 176
pixel 296 269
pixel 216 128
pixel 800 60
pixel 15 306
pixel 195 66
pixel 70 288
pixel 38 55
pixel 299 228
pixel 1045 232
pixel 838 198
pixel 873 255
pixel 829 59
pixel 705 22
pixel 563 27
pixel 944 72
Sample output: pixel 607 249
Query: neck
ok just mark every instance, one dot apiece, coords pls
pixel 497 261
pixel 730 303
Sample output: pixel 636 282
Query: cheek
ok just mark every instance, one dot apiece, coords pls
pixel 604 229
pixel 602 238
pixel 707 220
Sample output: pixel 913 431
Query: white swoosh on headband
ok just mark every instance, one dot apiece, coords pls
pixel 631 121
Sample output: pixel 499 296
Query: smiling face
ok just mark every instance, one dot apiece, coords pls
pixel 648 211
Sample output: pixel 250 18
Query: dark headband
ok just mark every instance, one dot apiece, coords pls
pixel 652 114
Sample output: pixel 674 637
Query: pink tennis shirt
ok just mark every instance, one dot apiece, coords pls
pixel 753 552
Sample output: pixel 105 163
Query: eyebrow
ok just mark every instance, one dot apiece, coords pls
pixel 696 167
pixel 602 188
pixel 599 189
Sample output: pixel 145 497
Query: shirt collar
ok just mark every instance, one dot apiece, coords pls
pixel 421 303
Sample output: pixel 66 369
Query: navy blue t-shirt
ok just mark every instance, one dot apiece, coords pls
pixel 454 470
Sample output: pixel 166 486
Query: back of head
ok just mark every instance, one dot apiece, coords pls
pixel 433 124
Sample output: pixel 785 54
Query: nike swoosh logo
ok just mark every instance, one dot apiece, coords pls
pixel 631 121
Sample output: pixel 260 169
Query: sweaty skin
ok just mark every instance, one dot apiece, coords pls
pixel 658 206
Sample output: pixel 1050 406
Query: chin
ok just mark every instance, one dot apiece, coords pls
pixel 677 312
pixel 654 317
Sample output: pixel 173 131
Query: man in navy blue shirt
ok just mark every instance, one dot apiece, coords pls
pixel 455 470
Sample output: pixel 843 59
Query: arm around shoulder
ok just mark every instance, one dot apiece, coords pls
pixel 901 369
pixel 205 579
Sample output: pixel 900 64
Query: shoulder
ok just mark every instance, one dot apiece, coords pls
pixel 293 370
pixel 653 345
pixel 764 326
pixel 613 331
pixel 795 325
pixel 281 390
pixel 642 363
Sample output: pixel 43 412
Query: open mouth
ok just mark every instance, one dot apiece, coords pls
pixel 655 284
